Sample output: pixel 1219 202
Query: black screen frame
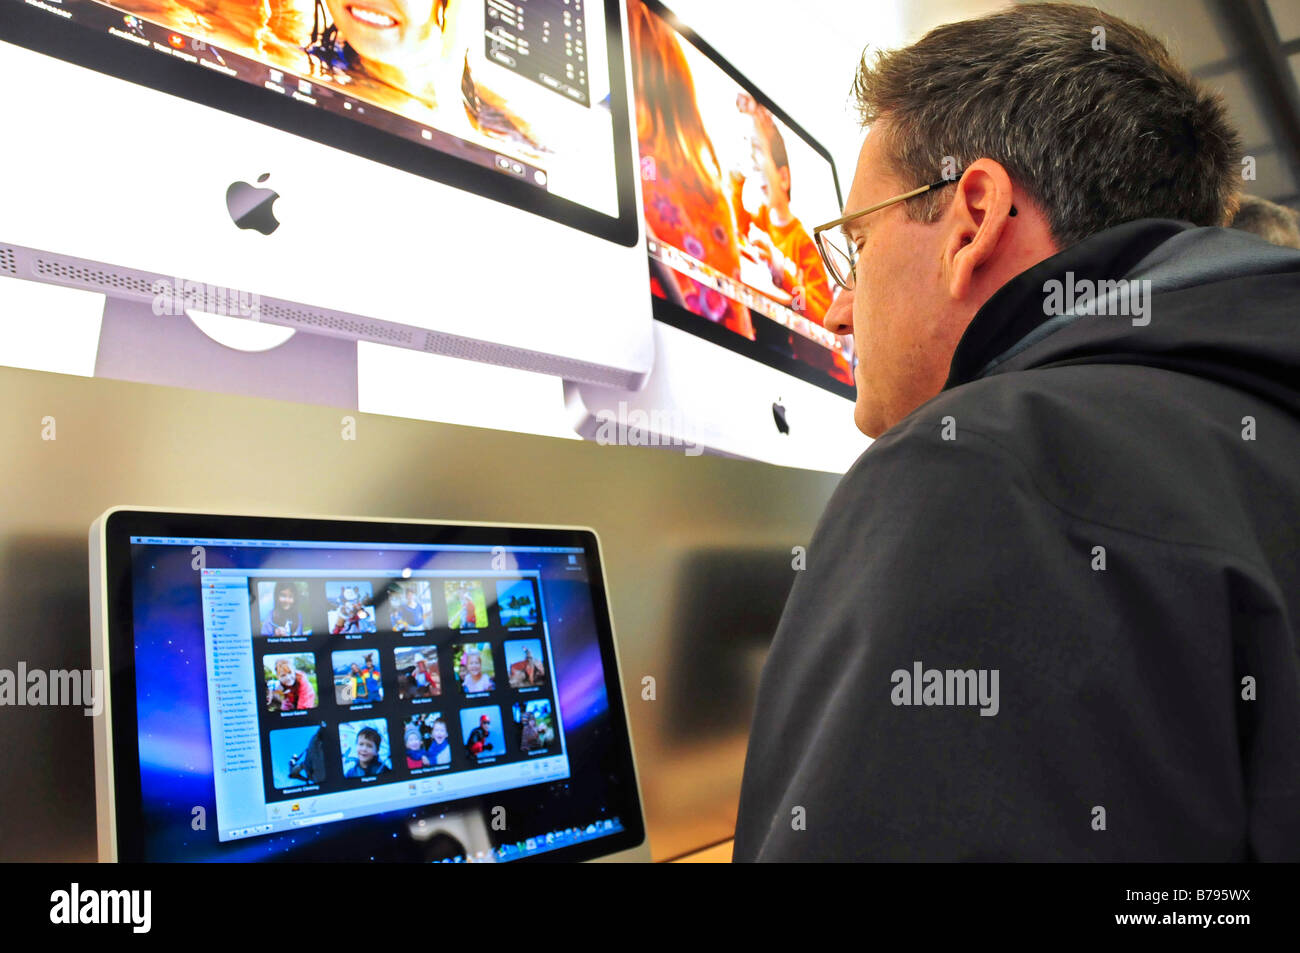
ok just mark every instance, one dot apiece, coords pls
pixel 32 29
pixel 119 664
pixel 685 320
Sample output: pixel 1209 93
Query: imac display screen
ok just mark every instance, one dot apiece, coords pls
pixel 731 190
pixel 523 100
pixel 332 698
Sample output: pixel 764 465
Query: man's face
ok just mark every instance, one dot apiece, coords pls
pixel 900 313
pixel 387 31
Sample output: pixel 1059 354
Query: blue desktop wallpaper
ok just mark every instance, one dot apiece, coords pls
pixel 171 690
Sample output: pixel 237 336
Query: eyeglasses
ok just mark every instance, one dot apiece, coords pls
pixel 840 261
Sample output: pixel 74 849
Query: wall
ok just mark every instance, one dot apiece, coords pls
pixel 698 553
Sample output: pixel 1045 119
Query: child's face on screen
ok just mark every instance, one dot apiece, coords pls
pixel 388 31
pixel 772 181
pixel 365 750
pixel 285 599
pixel 439 732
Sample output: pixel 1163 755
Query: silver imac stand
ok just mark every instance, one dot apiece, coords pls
pixel 135 344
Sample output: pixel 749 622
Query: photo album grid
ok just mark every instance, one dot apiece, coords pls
pixel 369 681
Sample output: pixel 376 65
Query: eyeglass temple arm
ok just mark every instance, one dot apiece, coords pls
pixel 879 205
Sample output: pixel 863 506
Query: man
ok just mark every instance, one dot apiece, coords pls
pixel 1051 612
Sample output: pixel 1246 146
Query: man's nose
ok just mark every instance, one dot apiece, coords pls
pixel 839 316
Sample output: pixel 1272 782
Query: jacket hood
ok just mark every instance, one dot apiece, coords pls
pixel 1217 303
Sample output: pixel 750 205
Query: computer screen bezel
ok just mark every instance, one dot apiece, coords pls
pixel 692 323
pixel 118 614
pixel 31 28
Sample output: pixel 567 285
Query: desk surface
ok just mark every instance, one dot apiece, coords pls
pixel 717 854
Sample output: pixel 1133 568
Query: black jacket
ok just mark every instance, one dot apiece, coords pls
pixel 1106 511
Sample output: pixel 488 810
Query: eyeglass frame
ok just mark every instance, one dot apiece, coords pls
pixel 831 270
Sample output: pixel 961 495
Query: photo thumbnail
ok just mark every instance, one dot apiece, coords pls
pixel 481 730
pixel 417 672
pixel 466 604
pixel 428 741
pixel 410 606
pixel 297 756
pixel 475 670
pixel 357 678
pixel 283 608
pixel 535 721
pixel 351 607
pixel 364 745
pixel 516 604
pixel 290 681
pixel 524 663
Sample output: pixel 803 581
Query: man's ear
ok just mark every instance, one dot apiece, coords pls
pixel 976 219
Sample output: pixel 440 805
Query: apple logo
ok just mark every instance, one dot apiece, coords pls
pixel 250 207
pixel 778 414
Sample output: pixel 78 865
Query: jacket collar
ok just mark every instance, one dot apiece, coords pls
pixel 1015 313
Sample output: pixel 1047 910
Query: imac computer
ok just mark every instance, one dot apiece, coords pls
pixel 326 689
pixel 452 176
pixel 731 190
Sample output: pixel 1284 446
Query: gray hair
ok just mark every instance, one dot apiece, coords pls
pixel 1088 114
